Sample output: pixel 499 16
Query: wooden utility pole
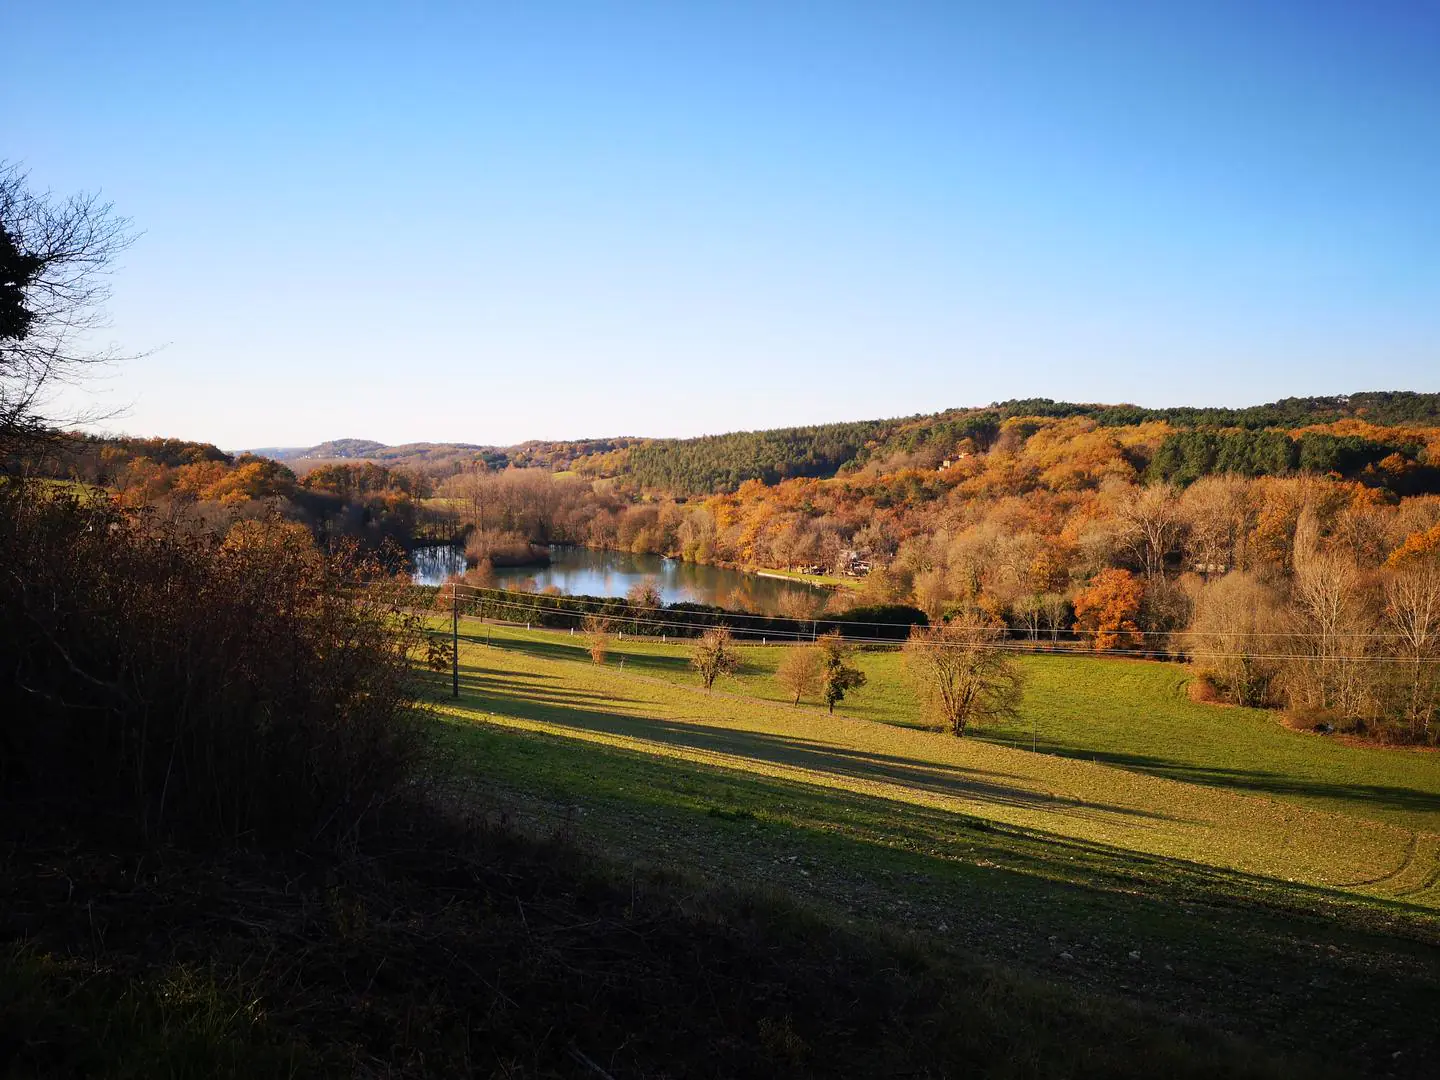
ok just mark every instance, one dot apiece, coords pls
pixel 454 642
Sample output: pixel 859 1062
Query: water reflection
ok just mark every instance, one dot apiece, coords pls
pixel 582 572
pixel 434 564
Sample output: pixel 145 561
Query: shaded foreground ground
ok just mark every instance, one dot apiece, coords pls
pixel 1296 927
pixel 437 950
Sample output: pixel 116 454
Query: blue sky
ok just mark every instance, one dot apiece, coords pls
pixel 495 222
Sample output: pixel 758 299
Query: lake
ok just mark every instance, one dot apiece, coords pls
pixel 579 571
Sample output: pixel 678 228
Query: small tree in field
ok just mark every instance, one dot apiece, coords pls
pixel 713 655
pixel 963 675
pixel 837 675
pixel 596 629
pixel 800 671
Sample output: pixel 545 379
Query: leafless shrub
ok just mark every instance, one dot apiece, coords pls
pixel 799 671
pixel 596 629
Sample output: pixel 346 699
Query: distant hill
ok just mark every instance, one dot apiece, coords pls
pixel 347 448
pixel 723 462
pixel 1388 408
pixel 536 453
pixel 412 454
pixel 367 449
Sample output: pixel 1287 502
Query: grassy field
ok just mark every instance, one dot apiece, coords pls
pixel 1132 714
pixel 85 493
pixel 829 581
pixel 541 681
pixel 1176 879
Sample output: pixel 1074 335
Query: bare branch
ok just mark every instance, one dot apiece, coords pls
pixel 56 256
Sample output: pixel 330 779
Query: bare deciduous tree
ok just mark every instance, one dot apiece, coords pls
pixel 802 604
pixel 645 597
pixel 963 675
pixel 1412 614
pixel 1238 624
pixel 1217 514
pixel 1030 610
pixel 55 258
pixel 800 670
pixel 1332 621
pixel 931 593
pixel 467 493
pixel 1054 610
pixel 713 655
pixel 1151 523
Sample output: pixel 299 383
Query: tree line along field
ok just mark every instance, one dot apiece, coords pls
pixel 1234 879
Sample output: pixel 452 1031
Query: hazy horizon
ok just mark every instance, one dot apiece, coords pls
pixel 121 431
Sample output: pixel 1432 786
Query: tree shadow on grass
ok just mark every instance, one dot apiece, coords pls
pixel 1360 795
pixel 1246 948
pixel 576 709
pixel 478 683
pixel 573 649
pixel 955 841
pixel 972 845
pixel 646 663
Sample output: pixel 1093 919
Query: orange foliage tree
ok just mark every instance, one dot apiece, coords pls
pixel 1109 609
pixel 1416 546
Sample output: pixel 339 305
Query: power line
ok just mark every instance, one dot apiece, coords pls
pixel 515 599
pixel 505 595
pixel 1036 648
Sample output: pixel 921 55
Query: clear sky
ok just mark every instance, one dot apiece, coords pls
pixel 491 222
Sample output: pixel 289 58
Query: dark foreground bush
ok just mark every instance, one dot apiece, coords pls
pixel 166 682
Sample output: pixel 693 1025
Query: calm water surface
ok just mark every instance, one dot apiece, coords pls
pixel 434 564
pixel 580 571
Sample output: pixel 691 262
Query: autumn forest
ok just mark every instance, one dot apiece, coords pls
pixel 1290 551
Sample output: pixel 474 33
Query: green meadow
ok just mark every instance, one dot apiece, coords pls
pixel 1136 715
pixel 1202 859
